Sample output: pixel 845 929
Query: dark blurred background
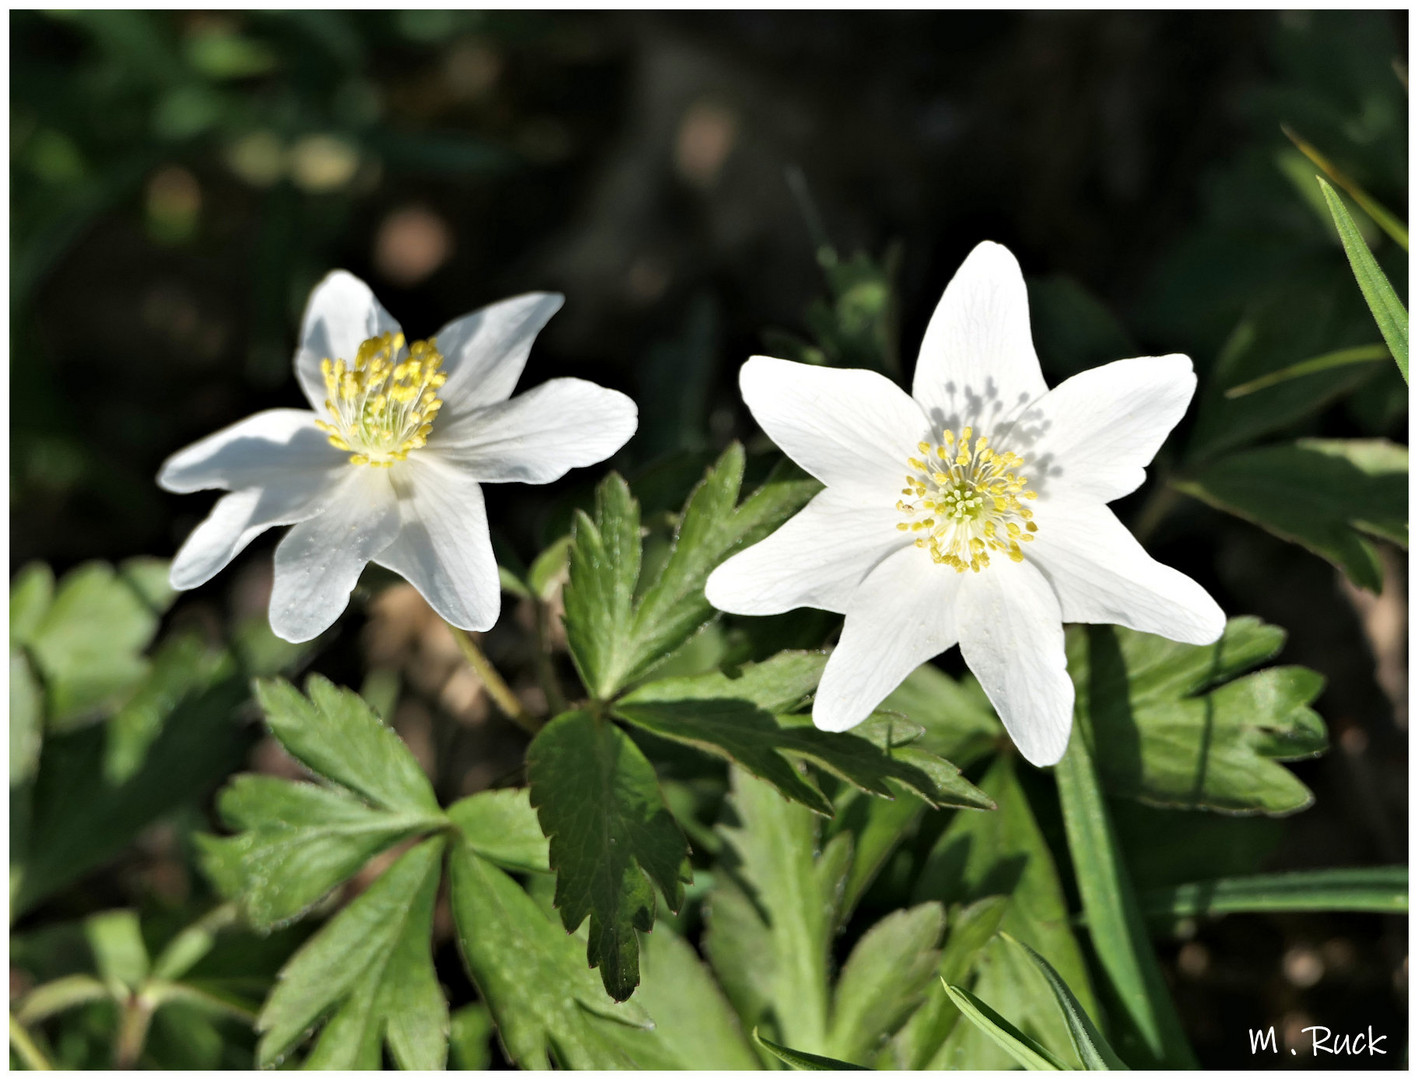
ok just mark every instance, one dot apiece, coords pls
pixel 179 181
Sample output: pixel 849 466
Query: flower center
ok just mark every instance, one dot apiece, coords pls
pixel 383 404
pixel 969 497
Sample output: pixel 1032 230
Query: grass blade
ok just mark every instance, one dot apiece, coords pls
pixel 1358 354
pixel 804 1061
pixel 1381 889
pixel 1093 1049
pixel 1371 206
pixel 1388 310
pixel 1115 921
pixel 1004 1034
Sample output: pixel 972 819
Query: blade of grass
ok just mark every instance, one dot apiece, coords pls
pixel 1381 888
pixel 1371 206
pixel 1004 1034
pixel 1358 354
pixel 803 1061
pixel 1115 921
pixel 1387 309
pixel 1093 1049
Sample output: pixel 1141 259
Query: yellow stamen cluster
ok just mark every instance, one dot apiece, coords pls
pixel 383 404
pixel 970 496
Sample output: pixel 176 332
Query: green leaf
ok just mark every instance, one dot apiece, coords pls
pixel 695 1027
pixel 1115 922
pixel 1169 735
pixel 295 842
pixel 530 972
pixel 785 929
pixel 1359 888
pixel 1088 1042
pixel 612 839
pixel 1325 494
pixel 883 979
pixel 603 568
pixel 117 943
pixel 729 716
pixel 711 528
pixel 1387 309
pixel 502 826
pixel 369 974
pixel 26 720
pixel 615 640
pixel 1001 1032
pixel 88 644
pixel 337 735
pixel 923 1042
pixel 470 1037
pixel 959 722
pixel 548 570
pixel 31 593
pixel 878 827
pixel 803 1061
pixel 1005 854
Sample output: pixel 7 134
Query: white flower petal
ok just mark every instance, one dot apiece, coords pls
pixel 844 426
pixel 816 559
pixel 536 437
pixel 240 518
pixel 484 352
pixel 977 362
pixel 1011 635
pixel 319 562
pixel 443 548
pixel 1103 425
pixel 252 453
pixel 901 615
pixel 341 314
pixel 1101 574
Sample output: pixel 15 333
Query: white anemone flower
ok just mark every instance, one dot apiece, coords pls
pixel 971 511
pixel 387 464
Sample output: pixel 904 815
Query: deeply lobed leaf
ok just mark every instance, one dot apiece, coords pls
pixel 612 839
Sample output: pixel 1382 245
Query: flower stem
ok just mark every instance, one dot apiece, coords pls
pixel 497 689
pixel 556 701
pixel 26 1049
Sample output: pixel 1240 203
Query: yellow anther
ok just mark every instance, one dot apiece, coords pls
pixel 382 403
pixel 974 499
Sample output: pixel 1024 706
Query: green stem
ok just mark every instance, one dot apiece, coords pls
pixel 546 672
pixel 1115 920
pixel 132 1031
pixel 25 1048
pixel 497 689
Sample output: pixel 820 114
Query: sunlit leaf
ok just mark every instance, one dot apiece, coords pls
pixel 884 978
pixel 1004 854
pixel 1347 888
pixel 615 639
pixel 1001 1032
pixel 368 974
pixel 338 736
pixel 295 842
pixel 803 1061
pixel 1088 1042
pixel 1388 310
pixel 1170 730
pixel 502 826
pixel 532 974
